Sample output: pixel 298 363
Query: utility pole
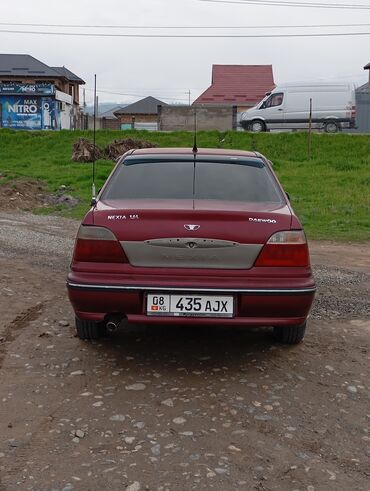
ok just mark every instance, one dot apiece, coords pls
pixel 189 94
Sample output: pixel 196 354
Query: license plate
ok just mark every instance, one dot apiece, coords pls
pixel 190 305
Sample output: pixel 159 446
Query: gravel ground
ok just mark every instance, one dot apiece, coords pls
pixel 178 409
pixel 341 293
pixel 38 238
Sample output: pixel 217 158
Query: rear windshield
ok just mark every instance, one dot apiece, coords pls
pixel 182 180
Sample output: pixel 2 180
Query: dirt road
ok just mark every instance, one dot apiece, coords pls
pixel 178 408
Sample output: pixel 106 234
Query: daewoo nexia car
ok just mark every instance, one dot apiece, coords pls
pixel 183 237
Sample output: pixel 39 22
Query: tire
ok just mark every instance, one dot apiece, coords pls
pixel 89 329
pixel 331 127
pixel 290 334
pixel 257 126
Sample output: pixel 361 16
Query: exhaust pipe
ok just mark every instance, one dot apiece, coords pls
pixel 113 322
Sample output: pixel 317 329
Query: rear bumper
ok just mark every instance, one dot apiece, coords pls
pixel 141 288
pixel 254 305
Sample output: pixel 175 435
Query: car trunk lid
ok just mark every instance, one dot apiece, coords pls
pixel 192 233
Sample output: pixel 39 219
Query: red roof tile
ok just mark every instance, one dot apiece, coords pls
pixel 239 84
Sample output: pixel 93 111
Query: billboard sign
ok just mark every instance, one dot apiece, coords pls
pixel 28 113
pixel 27 89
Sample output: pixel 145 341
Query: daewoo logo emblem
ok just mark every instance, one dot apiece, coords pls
pixel 191 227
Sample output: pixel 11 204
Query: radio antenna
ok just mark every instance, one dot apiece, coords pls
pixel 195 151
pixel 195 148
pixel 94 147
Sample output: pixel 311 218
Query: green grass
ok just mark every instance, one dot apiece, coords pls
pixel 330 192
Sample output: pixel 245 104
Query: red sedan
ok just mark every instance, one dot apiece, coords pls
pixel 183 237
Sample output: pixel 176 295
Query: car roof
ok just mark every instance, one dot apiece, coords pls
pixel 188 151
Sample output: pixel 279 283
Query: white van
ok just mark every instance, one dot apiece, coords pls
pixel 288 107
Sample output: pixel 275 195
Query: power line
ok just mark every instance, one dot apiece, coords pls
pixel 282 3
pixel 91 26
pixel 194 36
pixel 178 90
pixel 134 95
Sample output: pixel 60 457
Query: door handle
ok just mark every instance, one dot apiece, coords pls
pixel 280 109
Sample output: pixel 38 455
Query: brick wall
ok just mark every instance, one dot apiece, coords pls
pixel 139 118
pixel 110 124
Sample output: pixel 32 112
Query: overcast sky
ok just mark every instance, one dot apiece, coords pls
pixel 168 68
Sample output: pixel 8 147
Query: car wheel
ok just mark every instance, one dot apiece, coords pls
pixel 331 127
pixel 89 329
pixel 290 334
pixel 257 126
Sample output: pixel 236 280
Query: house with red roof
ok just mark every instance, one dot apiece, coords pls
pixel 238 85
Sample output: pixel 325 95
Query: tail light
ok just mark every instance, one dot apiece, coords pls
pixel 99 245
pixel 353 112
pixel 288 248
